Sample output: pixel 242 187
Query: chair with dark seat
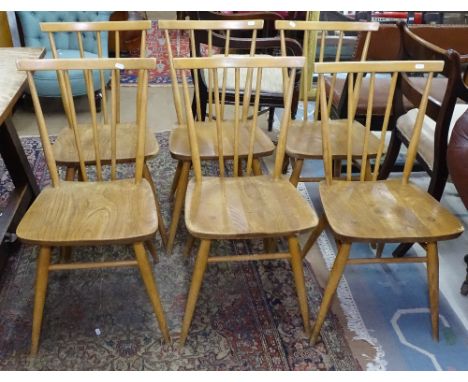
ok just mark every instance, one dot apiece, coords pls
pixel 228 207
pixel 364 209
pixel 216 33
pixel 101 212
pixel 439 120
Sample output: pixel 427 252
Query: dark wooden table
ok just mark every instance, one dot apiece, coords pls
pixel 12 84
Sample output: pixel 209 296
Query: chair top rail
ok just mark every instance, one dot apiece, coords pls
pixel 87 63
pixel 95 26
pixel 379 66
pixel 211 24
pixel 327 25
pixel 239 62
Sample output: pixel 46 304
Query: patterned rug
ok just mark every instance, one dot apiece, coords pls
pixel 156 47
pixel 247 317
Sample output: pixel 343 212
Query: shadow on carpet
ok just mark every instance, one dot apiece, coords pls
pixel 247 316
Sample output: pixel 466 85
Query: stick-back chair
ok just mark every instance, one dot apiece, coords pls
pixel 233 207
pixel 304 139
pixel 101 210
pixel 64 147
pixel 179 146
pixel 364 209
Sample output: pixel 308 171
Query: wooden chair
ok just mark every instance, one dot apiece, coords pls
pixel 64 147
pixel 233 208
pixel 441 115
pixel 206 129
pixel 364 209
pixel 304 139
pixel 117 211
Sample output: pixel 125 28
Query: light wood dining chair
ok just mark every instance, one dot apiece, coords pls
pixel 101 212
pixel 179 146
pixel 64 147
pixel 224 207
pixel 304 137
pixel 364 209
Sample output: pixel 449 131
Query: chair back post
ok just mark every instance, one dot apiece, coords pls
pixel 323 28
pixel 210 33
pixel 64 66
pixel 396 68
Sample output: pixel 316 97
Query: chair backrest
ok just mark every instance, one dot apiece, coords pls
pixel 256 65
pixel 398 80
pixel 326 35
pixel 88 65
pixel 97 29
pixel 213 28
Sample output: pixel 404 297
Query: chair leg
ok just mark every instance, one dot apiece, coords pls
pixel 189 245
pixel 179 202
pixel 197 278
pixel 257 167
pixel 42 275
pixel 322 223
pixel 433 283
pixel 151 288
pixel 175 181
pixel 286 161
pixel 296 174
pixel 161 225
pixel 65 254
pixel 330 289
pixel 70 173
pixel 271 117
pixel 152 250
pixel 298 272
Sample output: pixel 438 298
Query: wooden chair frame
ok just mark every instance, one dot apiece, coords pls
pixel 116 27
pixel 323 28
pixel 256 64
pixel 179 185
pixel 394 194
pixel 29 230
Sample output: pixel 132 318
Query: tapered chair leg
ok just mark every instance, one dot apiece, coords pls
pixel 197 278
pixel 330 289
pixel 42 275
pixel 296 174
pixel 151 288
pixel 70 173
pixel 433 283
pixel 175 181
pixel 257 167
pixel 314 235
pixel 189 245
pixel 298 272
pixel 161 225
pixel 179 202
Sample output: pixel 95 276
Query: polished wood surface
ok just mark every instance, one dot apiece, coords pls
pixel 379 212
pixel 116 211
pixel 207 141
pixel 386 211
pixel 242 208
pixel 305 140
pixel 211 24
pixel 11 81
pixel 326 25
pixel 64 148
pixel 239 207
pixel 111 212
pixel 93 26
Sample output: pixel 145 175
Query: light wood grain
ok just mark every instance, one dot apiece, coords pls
pixel 246 207
pixel 91 213
pixel 305 140
pixel 379 66
pixel 86 63
pixel 12 81
pixel 94 26
pixel 386 211
pixel 211 24
pixel 206 134
pixel 326 25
